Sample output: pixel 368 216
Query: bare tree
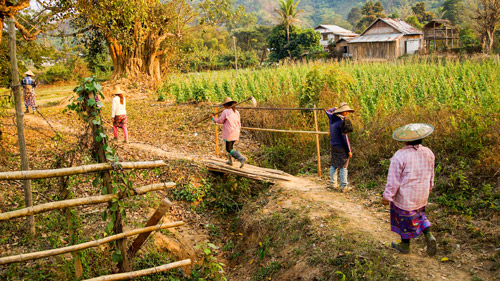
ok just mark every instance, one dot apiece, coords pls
pixel 487 17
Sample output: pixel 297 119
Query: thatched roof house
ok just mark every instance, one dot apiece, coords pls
pixel 386 39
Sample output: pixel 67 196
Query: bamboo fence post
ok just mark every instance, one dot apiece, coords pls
pixel 155 218
pixel 65 194
pixel 82 246
pixel 28 199
pixel 317 142
pixel 216 135
pixel 144 272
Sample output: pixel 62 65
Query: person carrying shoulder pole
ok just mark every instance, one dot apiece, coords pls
pixel 409 182
pixel 29 86
pixel 339 142
pixel 230 117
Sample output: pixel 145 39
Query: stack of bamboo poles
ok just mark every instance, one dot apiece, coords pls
pixel 248 171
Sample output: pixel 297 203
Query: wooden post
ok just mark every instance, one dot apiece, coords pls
pixel 19 122
pixel 235 54
pixel 123 265
pixel 216 135
pixel 158 214
pixel 317 142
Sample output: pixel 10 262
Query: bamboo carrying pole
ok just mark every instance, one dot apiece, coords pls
pixel 281 108
pixel 77 202
pixel 42 174
pixel 19 122
pixel 317 142
pixel 144 272
pixel 95 243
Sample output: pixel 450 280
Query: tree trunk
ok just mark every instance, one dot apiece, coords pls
pixel 142 61
pixel 19 121
pixel 1 27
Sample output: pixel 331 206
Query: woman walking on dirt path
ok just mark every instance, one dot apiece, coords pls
pixel 339 142
pixel 230 117
pixel 119 113
pixel 29 86
pixel 409 182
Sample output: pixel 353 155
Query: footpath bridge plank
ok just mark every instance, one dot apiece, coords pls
pixel 248 171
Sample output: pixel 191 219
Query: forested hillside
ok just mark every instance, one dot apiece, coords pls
pixel 321 11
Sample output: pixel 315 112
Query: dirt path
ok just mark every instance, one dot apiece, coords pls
pixel 358 217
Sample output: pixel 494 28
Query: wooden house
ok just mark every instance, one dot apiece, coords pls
pixel 387 39
pixel 343 49
pixel 332 34
pixel 440 34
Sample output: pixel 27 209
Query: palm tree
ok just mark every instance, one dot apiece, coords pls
pixel 288 15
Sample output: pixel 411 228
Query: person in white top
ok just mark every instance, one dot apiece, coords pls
pixel 119 113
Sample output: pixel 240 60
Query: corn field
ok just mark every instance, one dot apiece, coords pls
pixel 370 86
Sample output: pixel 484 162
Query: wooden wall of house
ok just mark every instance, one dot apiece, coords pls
pixel 402 43
pixel 375 50
pixel 381 27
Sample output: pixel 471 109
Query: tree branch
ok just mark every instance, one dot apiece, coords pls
pixel 12 10
pixel 26 34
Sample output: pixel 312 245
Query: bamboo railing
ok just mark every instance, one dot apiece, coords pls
pixel 144 272
pixel 78 247
pixel 78 202
pixel 316 133
pixel 121 236
pixel 42 174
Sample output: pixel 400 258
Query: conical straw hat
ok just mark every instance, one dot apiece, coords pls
pixel 29 72
pixel 116 90
pixel 412 132
pixel 343 107
pixel 228 100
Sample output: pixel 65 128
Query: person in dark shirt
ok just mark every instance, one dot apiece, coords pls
pixel 339 143
pixel 29 86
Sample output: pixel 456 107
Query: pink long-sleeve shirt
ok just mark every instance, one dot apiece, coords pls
pixel 410 178
pixel 232 124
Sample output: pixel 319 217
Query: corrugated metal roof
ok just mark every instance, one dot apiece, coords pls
pixel 389 37
pixel 336 29
pixel 398 24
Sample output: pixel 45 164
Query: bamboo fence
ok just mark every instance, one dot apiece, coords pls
pixel 78 202
pixel 95 243
pixel 42 174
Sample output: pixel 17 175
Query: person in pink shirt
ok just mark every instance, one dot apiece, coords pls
pixel 230 117
pixel 409 182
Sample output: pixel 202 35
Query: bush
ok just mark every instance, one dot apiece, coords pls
pixel 73 70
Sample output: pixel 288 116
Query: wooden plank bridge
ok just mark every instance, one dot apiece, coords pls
pixel 248 171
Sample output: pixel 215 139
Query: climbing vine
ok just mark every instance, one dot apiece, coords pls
pixel 87 104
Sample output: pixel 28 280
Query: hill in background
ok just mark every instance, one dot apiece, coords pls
pixel 330 11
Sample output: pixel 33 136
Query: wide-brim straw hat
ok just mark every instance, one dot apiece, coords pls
pixel 343 107
pixel 29 72
pixel 412 132
pixel 116 90
pixel 228 101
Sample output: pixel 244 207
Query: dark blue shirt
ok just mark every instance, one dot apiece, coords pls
pixel 337 139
